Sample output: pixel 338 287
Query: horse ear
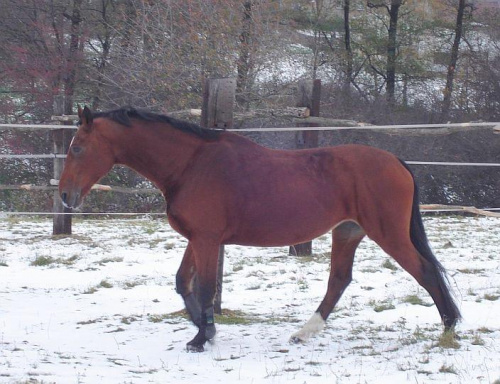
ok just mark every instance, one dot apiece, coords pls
pixel 86 117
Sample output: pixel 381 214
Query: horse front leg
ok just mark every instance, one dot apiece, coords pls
pixel 205 257
pixel 184 286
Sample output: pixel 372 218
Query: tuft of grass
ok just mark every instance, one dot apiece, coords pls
pixel 448 369
pixel 237 267
pixel 154 242
pixel 70 260
pixel 367 288
pixel 254 287
pixel 43 261
pixel 172 317
pixel 491 297
pixel 471 271
pixel 90 291
pixel 380 306
pixel 155 318
pixel 105 284
pixel 150 228
pixel 448 340
pixel 131 284
pixel 389 265
pixel 415 300
pixel 477 340
pixel 235 317
pixel 303 284
pixel 128 320
pixel 419 335
pixel 228 317
pixel 87 322
pixel 169 246
pixel 107 260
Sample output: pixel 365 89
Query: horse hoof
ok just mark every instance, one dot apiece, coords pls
pixel 194 348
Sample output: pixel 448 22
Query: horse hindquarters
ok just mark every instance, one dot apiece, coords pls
pixel 396 226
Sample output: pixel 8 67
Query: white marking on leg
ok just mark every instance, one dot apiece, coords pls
pixel 315 325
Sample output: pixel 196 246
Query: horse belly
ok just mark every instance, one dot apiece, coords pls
pixel 286 225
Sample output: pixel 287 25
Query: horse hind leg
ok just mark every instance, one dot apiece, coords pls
pixel 346 238
pixel 412 252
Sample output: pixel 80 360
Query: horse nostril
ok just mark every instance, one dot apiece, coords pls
pixel 64 195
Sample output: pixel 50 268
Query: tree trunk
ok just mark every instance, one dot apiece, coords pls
pixel 244 65
pixel 391 49
pixel 448 90
pixel 348 48
pixel 72 60
pixel 102 60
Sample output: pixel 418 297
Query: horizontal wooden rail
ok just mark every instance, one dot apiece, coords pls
pixel 95 187
pixel 458 208
pixel 491 212
pixel 360 126
pixel 32 156
pixel 452 163
pixel 447 163
pixel 36 126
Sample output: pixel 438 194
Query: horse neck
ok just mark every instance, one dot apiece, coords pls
pixel 158 152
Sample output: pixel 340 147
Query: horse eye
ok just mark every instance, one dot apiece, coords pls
pixel 76 150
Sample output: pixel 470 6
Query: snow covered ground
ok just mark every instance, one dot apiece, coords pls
pixel 100 307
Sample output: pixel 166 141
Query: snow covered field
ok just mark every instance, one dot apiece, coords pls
pixel 100 307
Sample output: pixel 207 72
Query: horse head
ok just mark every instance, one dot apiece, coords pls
pixel 89 158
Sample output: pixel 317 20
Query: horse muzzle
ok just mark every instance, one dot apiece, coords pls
pixel 71 200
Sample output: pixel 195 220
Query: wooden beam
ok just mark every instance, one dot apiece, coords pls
pixel 61 224
pixel 217 112
pixel 308 96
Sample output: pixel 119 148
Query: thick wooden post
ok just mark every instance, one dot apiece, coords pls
pixel 308 95
pixel 217 112
pixel 61 224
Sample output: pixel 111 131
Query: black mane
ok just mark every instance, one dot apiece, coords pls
pixel 124 114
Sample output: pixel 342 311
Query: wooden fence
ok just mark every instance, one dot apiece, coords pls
pixel 218 113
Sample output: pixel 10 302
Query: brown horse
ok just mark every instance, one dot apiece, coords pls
pixel 222 188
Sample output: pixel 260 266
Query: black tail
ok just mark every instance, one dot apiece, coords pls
pixel 421 243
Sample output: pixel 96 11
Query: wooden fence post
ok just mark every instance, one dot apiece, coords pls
pixel 217 112
pixel 308 95
pixel 61 224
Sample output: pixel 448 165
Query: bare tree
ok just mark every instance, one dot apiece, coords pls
pixel 348 47
pixel 390 71
pixel 41 61
pixel 448 90
pixel 245 59
pixel 74 54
